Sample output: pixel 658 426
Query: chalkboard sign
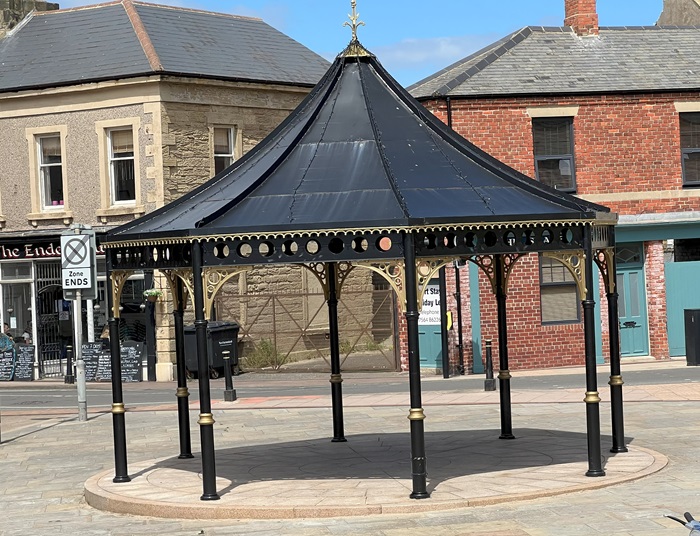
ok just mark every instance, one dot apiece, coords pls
pixel 91 355
pixel 24 363
pixel 98 362
pixel 132 355
pixel 7 365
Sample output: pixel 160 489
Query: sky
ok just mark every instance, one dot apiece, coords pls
pixel 413 39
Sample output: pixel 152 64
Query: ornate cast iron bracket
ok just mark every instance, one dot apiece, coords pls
pixel 185 275
pixel 320 271
pixel 393 272
pixel 214 279
pixel 426 269
pixel 488 264
pixel 604 259
pixel 574 262
pixel 118 277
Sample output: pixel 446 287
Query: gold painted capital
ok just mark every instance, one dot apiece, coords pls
pixel 616 380
pixel 504 375
pixel 118 408
pixel 416 414
pixel 182 392
pixel 206 419
pixel 592 397
pixel 336 378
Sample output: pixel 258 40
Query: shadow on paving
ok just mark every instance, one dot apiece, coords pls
pixel 381 456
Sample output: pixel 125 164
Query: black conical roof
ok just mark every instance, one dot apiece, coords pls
pixel 358 153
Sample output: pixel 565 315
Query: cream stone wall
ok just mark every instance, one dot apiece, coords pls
pixel 82 166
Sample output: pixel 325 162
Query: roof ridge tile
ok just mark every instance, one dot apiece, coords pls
pixel 142 35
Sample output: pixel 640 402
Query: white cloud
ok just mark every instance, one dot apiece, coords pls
pixel 410 60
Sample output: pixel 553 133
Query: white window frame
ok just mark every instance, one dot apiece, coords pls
pixel 46 204
pixel 231 155
pixel 109 208
pixel 111 162
pixel 38 210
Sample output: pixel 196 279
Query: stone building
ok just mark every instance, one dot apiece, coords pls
pixel 613 116
pixel 107 112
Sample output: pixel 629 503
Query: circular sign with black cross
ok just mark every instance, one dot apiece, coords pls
pixel 76 261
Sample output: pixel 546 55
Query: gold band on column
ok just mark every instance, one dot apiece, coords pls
pixel 504 375
pixel 416 414
pixel 336 378
pixel 591 397
pixel 615 380
pixel 206 419
pixel 118 407
pixel 182 392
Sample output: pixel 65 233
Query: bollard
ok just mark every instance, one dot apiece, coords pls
pixel 489 382
pixel 70 378
pixel 229 392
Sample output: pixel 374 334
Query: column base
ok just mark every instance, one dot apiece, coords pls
pixel 595 472
pixel 506 436
pixel 121 479
pixel 210 497
pixel 230 396
pixel 420 495
pixel 185 456
pixel 619 449
pixel 339 440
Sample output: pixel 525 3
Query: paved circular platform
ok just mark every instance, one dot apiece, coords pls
pixel 370 474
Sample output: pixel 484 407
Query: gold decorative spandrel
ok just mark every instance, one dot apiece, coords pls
pixel 214 279
pixel 574 262
pixel 185 275
pixel 604 259
pixel 119 278
pixel 393 272
pixel 426 270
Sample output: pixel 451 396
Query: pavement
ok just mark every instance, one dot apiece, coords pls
pixel 278 473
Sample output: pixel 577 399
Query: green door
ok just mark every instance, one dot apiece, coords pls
pixel 634 328
pixel 680 295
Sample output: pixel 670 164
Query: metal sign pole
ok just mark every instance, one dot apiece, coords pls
pixel 79 363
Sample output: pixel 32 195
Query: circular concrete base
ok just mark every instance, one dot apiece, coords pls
pixel 370 474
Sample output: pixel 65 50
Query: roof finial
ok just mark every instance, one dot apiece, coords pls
pixel 354 24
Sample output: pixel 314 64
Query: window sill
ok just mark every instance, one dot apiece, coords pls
pixel 2 221
pixel 105 213
pixel 65 215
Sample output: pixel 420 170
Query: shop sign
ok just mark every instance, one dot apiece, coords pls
pixel 34 250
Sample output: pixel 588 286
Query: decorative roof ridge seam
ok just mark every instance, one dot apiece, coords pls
pixel 377 136
pixel 142 36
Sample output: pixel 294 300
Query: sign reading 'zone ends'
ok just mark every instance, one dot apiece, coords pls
pixel 77 270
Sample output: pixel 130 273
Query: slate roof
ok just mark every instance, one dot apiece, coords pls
pixel 130 38
pixel 554 60
pixel 358 153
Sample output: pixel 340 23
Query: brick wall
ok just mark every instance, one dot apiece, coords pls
pixel 627 157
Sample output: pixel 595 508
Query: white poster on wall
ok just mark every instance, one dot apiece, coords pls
pixel 430 313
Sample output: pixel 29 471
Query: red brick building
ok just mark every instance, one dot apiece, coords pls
pixel 613 116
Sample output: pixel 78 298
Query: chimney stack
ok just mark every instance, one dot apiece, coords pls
pixel 581 15
pixel 13 11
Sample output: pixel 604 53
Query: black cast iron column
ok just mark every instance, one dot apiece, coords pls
pixel 336 378
pixel 415 415
pixel 503 373
pixel 182 393
pixel 206 420
pixel 592 399
pixel 617 414
pixel 118 422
